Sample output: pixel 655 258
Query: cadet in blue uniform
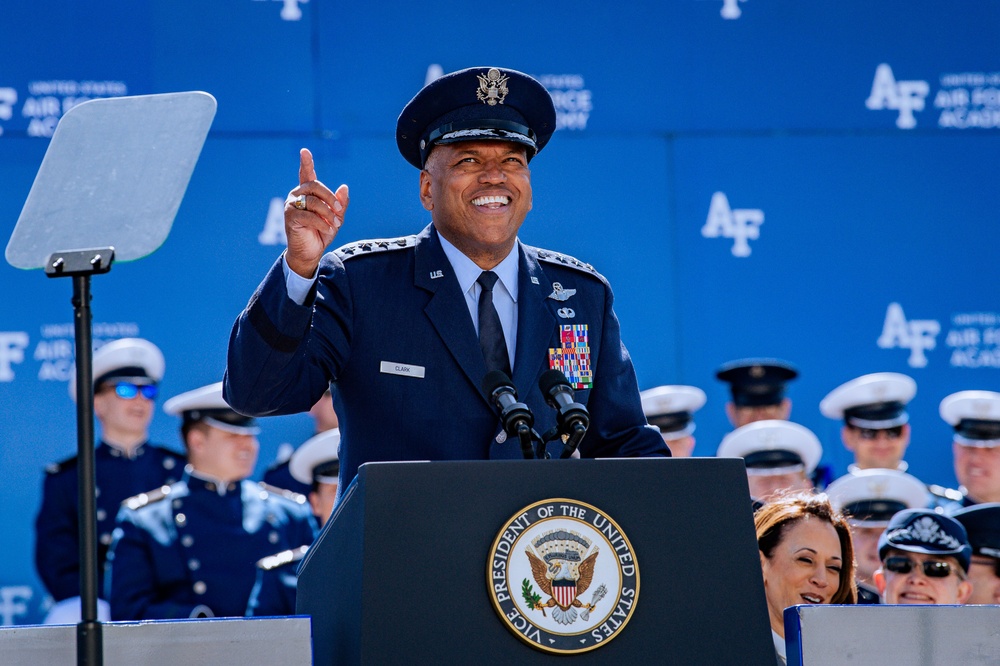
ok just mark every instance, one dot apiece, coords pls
pixel 876 424
pixel 126 374
pixel 671 409
pixel 397 325
pixel 758 389
pixel 869 498
pixel 190 549
pixel 975 416
pixel 315 464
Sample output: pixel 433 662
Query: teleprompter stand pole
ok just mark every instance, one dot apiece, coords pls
pixel 80 265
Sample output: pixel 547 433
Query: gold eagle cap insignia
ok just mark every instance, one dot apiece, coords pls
pixel 492 87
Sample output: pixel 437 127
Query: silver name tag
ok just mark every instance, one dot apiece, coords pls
pixel 405 369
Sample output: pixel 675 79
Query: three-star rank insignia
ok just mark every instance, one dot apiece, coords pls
pixel 572 356
pixel 563 576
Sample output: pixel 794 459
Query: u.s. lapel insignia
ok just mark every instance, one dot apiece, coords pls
pixel 492 87
pixel 566 313
pixel 560 294
pixel 534 280
pixel 572 357
pixel 437 274
pixel 563 576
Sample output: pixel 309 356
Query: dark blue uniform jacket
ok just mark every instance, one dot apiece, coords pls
pixel 190 551
pixel 397 302
pixel 118 477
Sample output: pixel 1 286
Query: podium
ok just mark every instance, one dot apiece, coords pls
pixel 401 572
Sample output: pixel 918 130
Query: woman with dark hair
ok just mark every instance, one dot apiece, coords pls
pixel 806 556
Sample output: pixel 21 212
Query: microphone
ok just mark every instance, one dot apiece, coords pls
pixel 572 418
pixel 516 418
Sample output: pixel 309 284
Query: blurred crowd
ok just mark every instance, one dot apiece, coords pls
pixel 190 535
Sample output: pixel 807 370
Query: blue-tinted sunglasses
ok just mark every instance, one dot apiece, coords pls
pixel 128 390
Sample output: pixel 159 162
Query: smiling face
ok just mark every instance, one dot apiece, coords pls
pixel 804 568
pixel 124 421
pixel 225 455
pixel 978 469
pixel 479 193
pixel 916 587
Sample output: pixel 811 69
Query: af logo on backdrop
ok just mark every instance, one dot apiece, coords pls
pixel 740 224
pixel 903 96
pixel 917 335
pixel 563 576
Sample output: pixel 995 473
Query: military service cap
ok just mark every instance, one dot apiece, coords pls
pixel 476 104
pixel 756 382
pixel 773 447
pixel 871 497
pixel 207 405
pixel 925 531
pixel 876 401
pixel 671 408
pixel 318 459
pixel 975 415
pixel 982 523
pixel 127 359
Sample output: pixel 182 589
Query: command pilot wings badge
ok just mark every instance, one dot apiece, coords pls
pixel 559 293
pixel 563 576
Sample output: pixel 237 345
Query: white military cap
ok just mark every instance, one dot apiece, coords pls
pixel 671 408
pixel 318 459
pixel 207 405
pixel 128 359
pixel 876 401
pixel 975 415
pixel 773 447
pixel 870 497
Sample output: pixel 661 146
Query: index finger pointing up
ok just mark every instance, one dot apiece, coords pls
pixel 307 169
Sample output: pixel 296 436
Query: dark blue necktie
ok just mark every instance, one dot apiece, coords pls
pixel 491 338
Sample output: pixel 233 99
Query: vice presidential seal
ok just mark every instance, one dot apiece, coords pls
pixel 563 577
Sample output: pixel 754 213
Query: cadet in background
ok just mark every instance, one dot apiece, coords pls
pixel 671 409
pixel 190 549
pixel 126 373
pixel 758 389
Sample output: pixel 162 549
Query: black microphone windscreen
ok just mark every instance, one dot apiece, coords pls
pixel 493 380
pixel 551 379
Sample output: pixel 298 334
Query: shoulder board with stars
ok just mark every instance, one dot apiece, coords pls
pixel 298 498
pixel 565 260
pixel 272 562
pixel 363 247
pixel 146 498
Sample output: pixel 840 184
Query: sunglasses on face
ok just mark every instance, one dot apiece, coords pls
pixel 932 568
pixel 128 391
pixel 890 433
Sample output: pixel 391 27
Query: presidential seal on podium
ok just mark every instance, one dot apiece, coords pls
pixel 562 576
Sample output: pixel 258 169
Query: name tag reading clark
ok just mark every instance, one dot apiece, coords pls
pixel 405 369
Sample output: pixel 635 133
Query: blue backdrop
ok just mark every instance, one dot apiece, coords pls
pixel 813 181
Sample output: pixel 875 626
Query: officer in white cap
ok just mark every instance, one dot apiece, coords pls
pixel 876 425
pixel 315 464
pixel 982 522
pixel 780 456
pixel 975 416
pixel 671 409
pixel 869 498
pixel 758 389
pixel 126 374
pixel 190 549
